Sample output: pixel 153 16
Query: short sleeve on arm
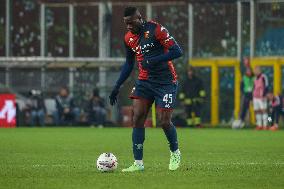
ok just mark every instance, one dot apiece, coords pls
pixel 163 36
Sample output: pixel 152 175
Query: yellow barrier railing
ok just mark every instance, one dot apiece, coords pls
pixel 154 118
pixel 216 63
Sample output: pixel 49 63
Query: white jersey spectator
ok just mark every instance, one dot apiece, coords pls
pixel 259 99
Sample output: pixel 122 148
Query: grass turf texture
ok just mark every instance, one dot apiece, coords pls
pixel 211 158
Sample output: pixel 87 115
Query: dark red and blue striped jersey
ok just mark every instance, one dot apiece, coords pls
pixel 153 40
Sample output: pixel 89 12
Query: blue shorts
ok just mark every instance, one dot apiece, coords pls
pixel 164 95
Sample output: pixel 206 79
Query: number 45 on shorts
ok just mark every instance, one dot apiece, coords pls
pixel 168 99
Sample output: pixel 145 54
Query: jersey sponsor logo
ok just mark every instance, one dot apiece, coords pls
pixel 143 49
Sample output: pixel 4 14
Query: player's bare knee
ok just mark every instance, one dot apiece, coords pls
pixel 164 123
pixel 138 120
pixel 164 119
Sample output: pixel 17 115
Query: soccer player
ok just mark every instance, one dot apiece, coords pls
pixel 260 90
pixel 154 49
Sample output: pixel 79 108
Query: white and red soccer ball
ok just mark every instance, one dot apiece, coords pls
pixel 107 162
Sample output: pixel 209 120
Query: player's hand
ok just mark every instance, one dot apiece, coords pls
pixel 113 96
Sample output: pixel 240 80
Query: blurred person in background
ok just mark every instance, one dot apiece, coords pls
pixel 96 110
pixel 35 108
pixel 276 109
pixel 192 96
pixel 260 90
pixel 246 89
pixel 66 112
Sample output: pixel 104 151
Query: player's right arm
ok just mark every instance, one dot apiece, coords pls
pixel 126 70
pixel 171 48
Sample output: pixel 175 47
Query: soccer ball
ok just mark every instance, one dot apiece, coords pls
pixel 270 121
pixel 237 124
pixel 107 162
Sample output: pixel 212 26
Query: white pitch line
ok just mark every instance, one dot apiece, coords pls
pixel 195 163
pixel 239 163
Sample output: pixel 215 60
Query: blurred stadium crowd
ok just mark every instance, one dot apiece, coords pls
pixel 215 35
pixel 60 110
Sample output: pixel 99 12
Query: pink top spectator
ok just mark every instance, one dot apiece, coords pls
pixel 260 86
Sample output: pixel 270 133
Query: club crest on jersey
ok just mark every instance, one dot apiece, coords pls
pixel 146 34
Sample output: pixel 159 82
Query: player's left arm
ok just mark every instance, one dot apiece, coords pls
pixel 124 74
pixel 173 50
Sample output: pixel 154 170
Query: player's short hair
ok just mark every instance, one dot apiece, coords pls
pixel 130 11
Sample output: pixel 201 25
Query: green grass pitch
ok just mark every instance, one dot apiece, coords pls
pixel 62 158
